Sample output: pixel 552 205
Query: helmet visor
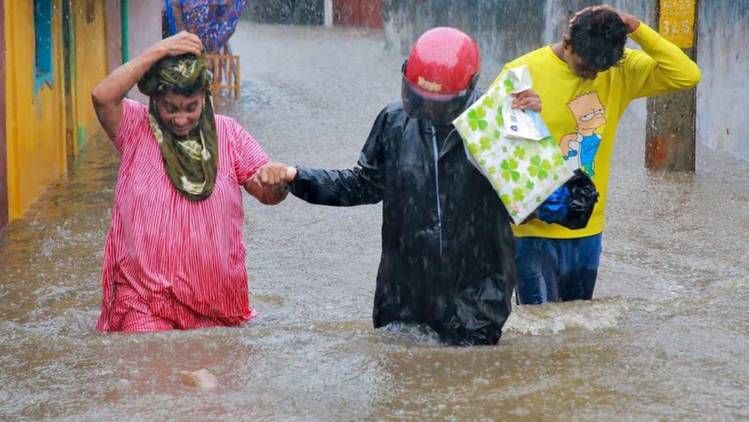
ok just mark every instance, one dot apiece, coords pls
pixel 439 109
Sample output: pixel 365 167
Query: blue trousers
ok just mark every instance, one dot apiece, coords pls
pixel 556 270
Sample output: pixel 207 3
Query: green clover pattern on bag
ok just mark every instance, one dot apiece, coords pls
pixel 524 172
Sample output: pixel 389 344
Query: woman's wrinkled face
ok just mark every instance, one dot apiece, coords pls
pixel 180 113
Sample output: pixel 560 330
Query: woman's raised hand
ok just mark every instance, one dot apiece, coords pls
pixel 181 43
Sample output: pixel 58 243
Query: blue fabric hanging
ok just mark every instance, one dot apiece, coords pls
pixel 214 21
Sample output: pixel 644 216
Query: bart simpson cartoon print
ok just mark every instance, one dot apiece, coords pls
pixel 580 148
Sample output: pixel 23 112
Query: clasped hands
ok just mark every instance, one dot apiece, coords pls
pixel 274 175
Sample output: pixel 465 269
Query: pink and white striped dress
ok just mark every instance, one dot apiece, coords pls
pixel 170 262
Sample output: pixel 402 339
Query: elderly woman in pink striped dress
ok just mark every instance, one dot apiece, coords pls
pixel 174 256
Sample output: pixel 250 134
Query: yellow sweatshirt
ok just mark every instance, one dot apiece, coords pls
pixel 583 114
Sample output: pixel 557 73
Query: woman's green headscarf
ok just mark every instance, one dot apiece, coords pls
pixel 191 161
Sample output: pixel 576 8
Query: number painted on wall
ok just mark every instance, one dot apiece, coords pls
pixel 676 21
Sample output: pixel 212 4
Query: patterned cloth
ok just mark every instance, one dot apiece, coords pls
pixel 170 262
pixel 524 172
pixel 214 21
pixel 190 161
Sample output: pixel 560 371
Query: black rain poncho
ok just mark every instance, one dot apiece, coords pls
pixel 447 249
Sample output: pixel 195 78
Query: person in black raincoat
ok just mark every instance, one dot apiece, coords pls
pixel 447 249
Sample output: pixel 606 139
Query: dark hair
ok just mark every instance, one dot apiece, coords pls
pixel 598 38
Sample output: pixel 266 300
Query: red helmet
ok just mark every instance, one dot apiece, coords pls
pixel 440 74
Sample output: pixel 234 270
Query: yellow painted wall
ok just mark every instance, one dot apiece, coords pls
pixel 90 42
pixel 34 123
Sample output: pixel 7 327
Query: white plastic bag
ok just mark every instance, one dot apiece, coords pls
pixel 523 124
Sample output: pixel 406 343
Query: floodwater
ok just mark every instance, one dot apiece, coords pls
pixel 665 338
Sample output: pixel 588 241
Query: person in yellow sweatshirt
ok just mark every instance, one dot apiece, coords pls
pixel 586 81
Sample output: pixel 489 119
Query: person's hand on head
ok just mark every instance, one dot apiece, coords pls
pixel 629 20
pixel 181 43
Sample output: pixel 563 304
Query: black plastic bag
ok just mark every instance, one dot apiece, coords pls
pixel 572 204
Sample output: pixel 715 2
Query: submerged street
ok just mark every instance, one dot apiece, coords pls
pixel 666 336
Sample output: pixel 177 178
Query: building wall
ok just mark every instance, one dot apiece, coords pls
pixel 114 34
pixel 37 118
pixel 144 30
pixel 293 12
pixel 34 121
pixel 89 19
pixel 723 94
pixel 3 166
pixel 359 13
